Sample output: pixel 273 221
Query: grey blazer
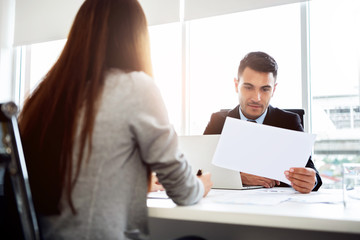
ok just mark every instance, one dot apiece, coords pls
pixel 132 135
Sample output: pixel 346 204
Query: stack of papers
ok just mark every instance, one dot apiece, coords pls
pixel 158 195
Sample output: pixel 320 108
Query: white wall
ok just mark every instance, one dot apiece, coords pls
pixel 46 20
pixel 43 20
pixel 195 9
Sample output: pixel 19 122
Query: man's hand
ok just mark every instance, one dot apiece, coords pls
pixel 302 179
pixel 249 179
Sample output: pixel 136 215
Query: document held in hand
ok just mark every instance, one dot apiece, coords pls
pixel 262 150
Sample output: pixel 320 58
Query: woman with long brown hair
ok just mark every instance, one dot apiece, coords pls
pixel 95 128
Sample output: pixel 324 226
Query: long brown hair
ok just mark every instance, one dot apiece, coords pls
pixel 105 34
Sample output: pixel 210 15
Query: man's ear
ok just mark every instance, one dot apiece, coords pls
pixel 236 82
pixel 274 89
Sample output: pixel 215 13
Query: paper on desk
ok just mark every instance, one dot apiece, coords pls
pixel 158 195
pixel 253 197
pixel 317 197
pixel 273 196
pixel 261 150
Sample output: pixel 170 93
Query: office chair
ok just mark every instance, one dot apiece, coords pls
pixel 12 159
pixel 299 112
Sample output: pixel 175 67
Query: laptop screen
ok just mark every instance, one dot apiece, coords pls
pixel 199 151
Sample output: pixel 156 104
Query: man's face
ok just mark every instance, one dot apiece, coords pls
pixel 255 90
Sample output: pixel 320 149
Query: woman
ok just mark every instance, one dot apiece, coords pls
pixel 96 127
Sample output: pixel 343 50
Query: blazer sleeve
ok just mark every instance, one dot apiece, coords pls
pixel 318 183
pixel 157 142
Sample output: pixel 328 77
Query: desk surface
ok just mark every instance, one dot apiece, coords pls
pixel 300 211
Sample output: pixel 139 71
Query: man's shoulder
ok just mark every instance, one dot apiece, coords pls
pixel 217 120
pixel 222 114
pixel 285 119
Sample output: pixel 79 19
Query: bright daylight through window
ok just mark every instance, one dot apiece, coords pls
pixel 335 81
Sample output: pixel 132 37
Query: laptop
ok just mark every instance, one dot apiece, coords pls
pixel 199 151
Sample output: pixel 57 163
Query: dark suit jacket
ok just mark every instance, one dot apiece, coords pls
pixel 275 117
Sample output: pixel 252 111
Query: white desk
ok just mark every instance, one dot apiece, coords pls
pixel 217 217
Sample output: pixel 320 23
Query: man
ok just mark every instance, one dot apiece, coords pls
pixel 255 85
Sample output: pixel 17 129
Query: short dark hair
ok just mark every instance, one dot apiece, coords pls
pixel 260 62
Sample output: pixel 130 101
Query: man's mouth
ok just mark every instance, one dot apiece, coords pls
pixel 254 105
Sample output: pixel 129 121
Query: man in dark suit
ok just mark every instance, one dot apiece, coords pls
pixel 255 85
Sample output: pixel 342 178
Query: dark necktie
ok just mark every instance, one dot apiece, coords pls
pixel 250 120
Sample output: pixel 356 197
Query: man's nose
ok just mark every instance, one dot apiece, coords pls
pixel 256 96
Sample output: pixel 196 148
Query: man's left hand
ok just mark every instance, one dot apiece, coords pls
pixel 302 179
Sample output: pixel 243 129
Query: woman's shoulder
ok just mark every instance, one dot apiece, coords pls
pixel 133 76
pixel 133 87
pixel 120 82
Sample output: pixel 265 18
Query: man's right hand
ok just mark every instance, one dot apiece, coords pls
pixel 206 180
pixel 253 180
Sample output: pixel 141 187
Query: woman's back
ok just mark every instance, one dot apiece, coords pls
pixel 131 132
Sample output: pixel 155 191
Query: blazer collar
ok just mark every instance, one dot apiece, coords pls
pixel 268 119
pixel 234 113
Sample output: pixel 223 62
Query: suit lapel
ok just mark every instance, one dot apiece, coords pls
pixel 234 113
pixel 268 118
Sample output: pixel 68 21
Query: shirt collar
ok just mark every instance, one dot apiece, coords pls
pixel 258 120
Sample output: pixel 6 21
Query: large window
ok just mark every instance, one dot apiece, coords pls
pixel 33 62
pixel 166 59
pixel 335 78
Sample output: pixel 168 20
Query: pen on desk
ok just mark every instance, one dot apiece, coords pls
pixel 199 172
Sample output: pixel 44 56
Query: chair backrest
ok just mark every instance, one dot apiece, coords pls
pixel 299 112
pixel 13 160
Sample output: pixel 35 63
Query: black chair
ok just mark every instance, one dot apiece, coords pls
pixel 299 112
pixel 13 161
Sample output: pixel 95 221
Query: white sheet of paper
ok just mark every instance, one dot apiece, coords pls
pixel 158 195
pixel 262 150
